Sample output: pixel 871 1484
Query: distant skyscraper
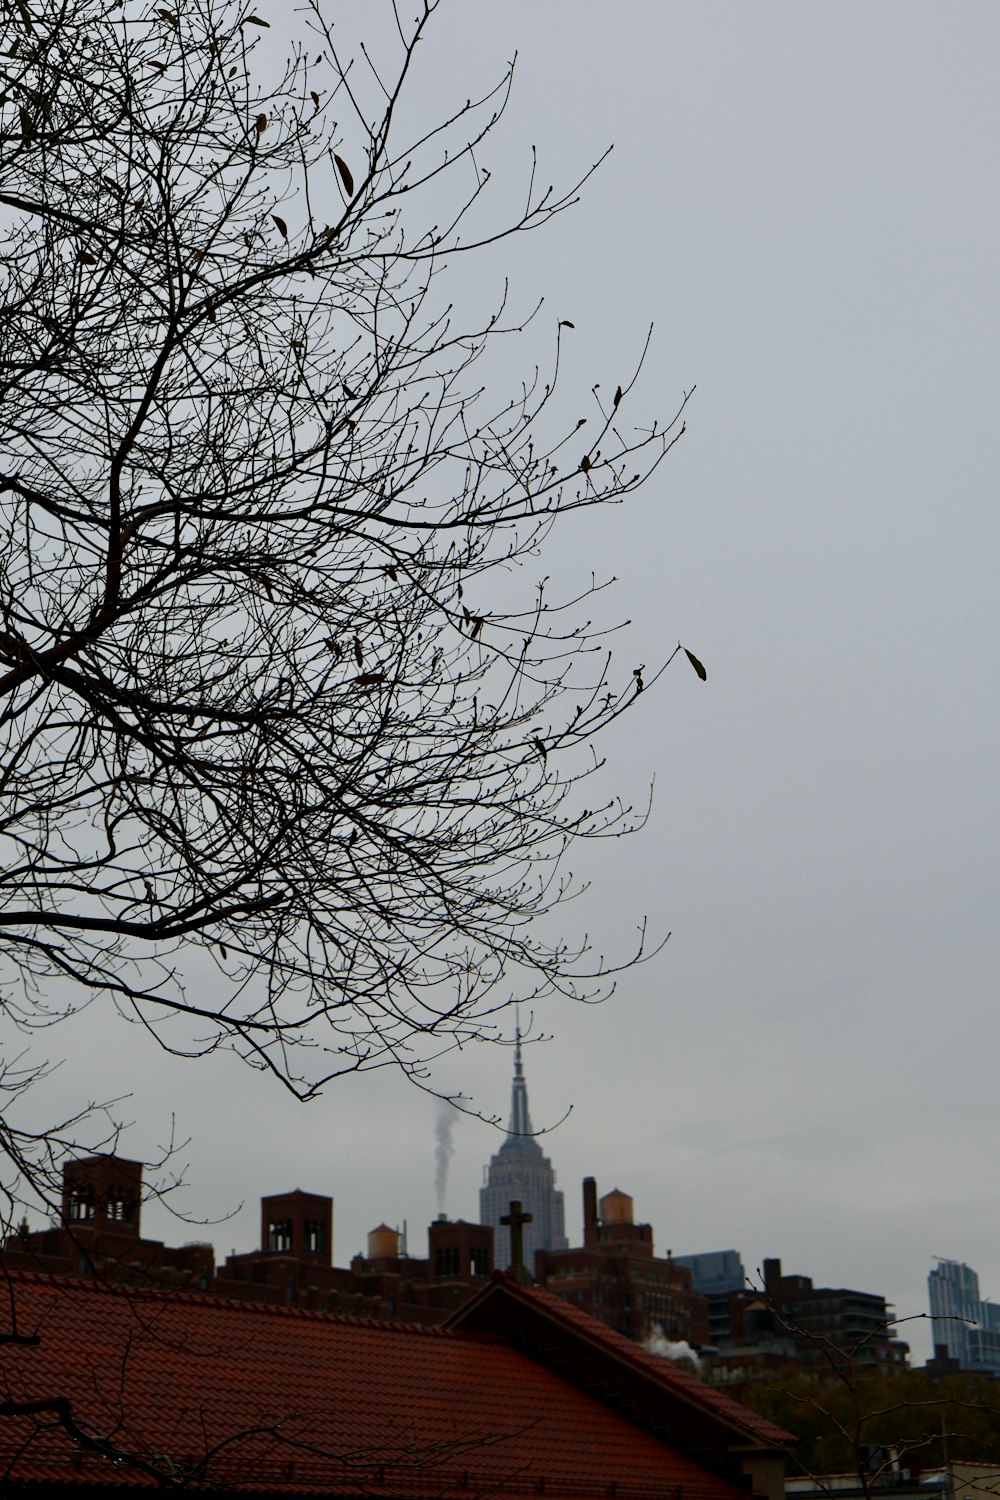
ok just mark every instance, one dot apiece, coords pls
pixel 715 1271
pixel 521 1170
pixel 965 1324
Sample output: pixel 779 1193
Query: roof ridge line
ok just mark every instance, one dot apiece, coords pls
pixel 60 1280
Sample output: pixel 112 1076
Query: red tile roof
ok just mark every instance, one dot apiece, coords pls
pixel 275 1399
pixel 680 1382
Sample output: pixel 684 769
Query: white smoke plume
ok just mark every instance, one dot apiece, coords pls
pixel 658 1343
pixel 444 1150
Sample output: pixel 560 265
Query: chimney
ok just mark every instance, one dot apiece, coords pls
pixel 772 1277
pixel 589 1211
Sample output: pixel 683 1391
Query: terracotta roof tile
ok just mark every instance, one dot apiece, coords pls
pixel 281 1399
pixel 667 1372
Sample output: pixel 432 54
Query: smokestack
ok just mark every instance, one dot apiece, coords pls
pixel 589 1210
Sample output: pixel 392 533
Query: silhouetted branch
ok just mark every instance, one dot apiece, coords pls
pixel 270 687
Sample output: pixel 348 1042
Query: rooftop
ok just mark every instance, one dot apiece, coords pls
pixel 125 1387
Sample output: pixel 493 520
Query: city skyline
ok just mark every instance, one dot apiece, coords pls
pixel 966 1326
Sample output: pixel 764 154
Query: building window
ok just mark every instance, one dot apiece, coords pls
pixel 315 1235
pixel 81 1204
pixel 119 1206
pixel 279 1234
pixel 446 1261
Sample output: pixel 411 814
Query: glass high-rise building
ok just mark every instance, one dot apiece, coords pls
pixel 966 1325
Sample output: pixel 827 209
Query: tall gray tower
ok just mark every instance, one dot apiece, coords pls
pixel 520 1170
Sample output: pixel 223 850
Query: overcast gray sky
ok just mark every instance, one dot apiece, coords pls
pixel 802 200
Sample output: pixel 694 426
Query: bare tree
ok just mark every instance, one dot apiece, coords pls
pixel 267 686
pixel 857 1416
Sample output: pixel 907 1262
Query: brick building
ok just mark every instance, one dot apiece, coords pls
pixel 857 1323
pixel 791 1321
pixel 99 1236
pixel 99 1232
pixel 615 1276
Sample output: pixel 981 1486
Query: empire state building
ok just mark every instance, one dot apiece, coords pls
pixel 520 1170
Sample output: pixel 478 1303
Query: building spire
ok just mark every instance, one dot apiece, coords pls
pixel 520 1120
